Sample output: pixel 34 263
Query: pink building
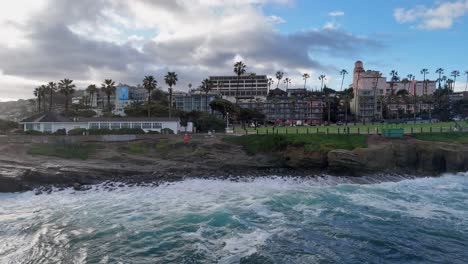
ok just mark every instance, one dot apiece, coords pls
pixel 413 87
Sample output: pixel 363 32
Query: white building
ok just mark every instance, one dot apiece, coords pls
pixel 50 122
pixel 245 87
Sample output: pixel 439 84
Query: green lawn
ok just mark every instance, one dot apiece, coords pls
pixel 358 129
pixel 454 137
pixel 271 143
pixel 64 150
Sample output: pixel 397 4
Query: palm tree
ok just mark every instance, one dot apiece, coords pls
pixel 305 76
pixel 466 85
pixel 343 73
pixel 455 74
pixel 149 83
pixel 51 88
pixel 392 97
pixel 108 88
pixel 239 69
pixel 270 82
pixel 67 88
pixel 287 81
pixel 206 87
pixel 322 78
pixel 38 94
pixel 279 76
pixel 424 72
pixel 92 91
pixel 44 89
pixel 450 83
pixel 440 71
pixel 170 79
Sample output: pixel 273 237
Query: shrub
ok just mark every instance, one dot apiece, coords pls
pixel 167 131
pixel 208 122
pixel 33 133
pixel 60 132
pixel 77 131
pixel 153 132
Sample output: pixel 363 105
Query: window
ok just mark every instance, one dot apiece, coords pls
pixel 136 125
pixel 115 125
pixel 104 125
pixel 157 125
pixel 29 127
pixel 125 125
pixel 94 125
pixel 146 125
pixel 47 127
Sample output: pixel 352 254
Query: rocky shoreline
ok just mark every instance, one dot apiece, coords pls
pixel 214 159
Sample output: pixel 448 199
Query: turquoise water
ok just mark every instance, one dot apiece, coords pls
pixel 261 221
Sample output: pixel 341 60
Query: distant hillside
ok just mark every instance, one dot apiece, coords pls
pixel 16 110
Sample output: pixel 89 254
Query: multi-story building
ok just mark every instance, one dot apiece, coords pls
pixel 195 101
pixel 413 87
pixel 246 87
pixel 368 87
pixel 125 96
pixel 371 87
pixel 289 111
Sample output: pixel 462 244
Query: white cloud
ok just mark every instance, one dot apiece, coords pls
pixel 441 16
pixel 331 25
pixel 277 20
pixel 336 13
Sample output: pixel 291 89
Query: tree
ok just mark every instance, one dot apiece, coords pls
pixel 239 70
pixel 108 88
pixel 206 87
pixel 287 81
pixel 424 72
pixel 455 74
pixel 44 90
pixel 279 76
pixel 270 82
pixel 92 91
pixel 327 91
pixel 440 71
pixel 402 95
pixel 343 73
pixel 322 78
pixel 250 115
pixel 305 76
pixel 51 88
pixel 224 107
pixel 392 98
pixel 67 88
pixel 347 97
pixel 149 83
pixel 171 80
pixel 38 95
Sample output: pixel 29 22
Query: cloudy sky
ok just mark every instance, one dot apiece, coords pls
pixel 89 40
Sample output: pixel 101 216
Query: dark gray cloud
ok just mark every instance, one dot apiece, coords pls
pixel 54 51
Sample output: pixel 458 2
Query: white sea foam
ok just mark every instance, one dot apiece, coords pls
pixel 222 220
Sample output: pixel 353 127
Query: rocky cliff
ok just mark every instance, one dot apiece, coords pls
pixel 21 171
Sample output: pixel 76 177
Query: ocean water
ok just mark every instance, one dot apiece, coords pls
pixel 267 220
